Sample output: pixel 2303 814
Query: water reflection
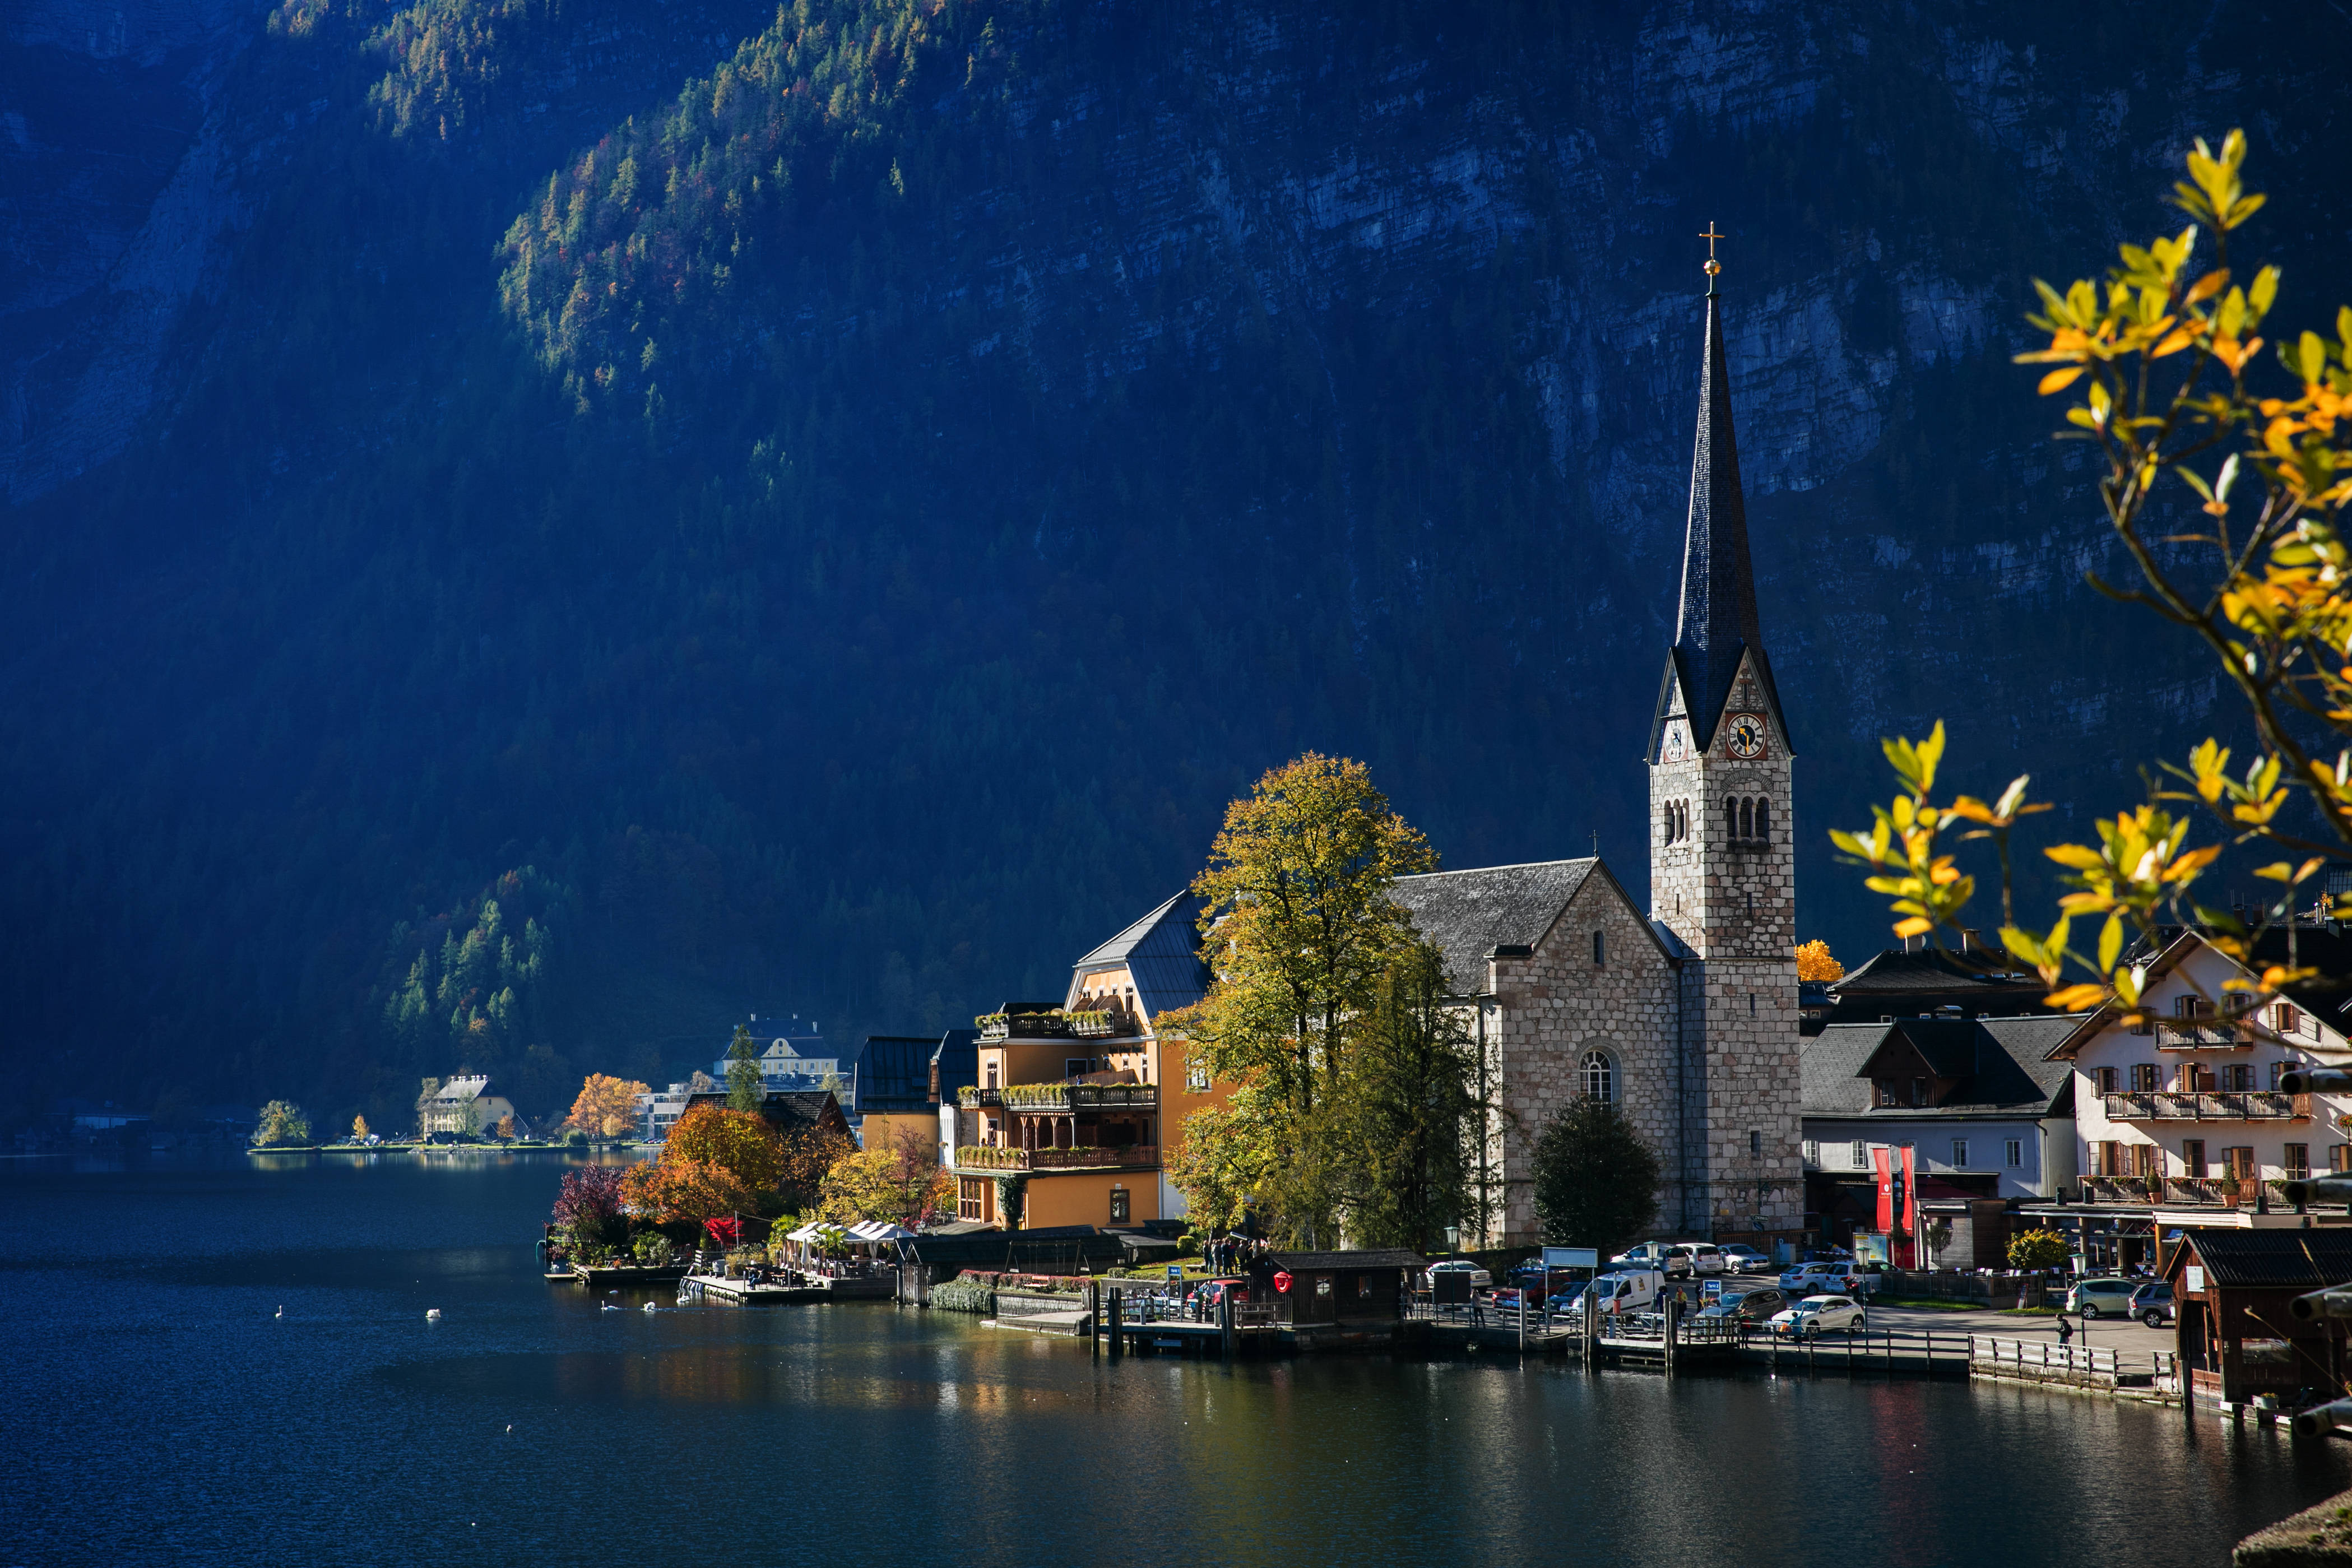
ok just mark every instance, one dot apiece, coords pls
pixel 145 1349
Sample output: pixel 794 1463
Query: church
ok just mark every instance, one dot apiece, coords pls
pixel 1683 1013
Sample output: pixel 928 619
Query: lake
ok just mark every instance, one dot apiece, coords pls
pixel 158 1410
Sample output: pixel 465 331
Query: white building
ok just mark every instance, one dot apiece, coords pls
pixel 1979 1102
pixel 2189 1110
pixel 468 1104
pixel 795 1057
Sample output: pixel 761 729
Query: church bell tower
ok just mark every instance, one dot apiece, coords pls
pixel 1722 861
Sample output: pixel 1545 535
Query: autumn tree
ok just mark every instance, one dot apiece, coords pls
pixel 1297 927
pixel 606 1106
pixel 281 1121
pixel 1596 1181
pixel 505 1127
pixel 810 1154
pixel 591 1208
pixel 744 1090
pixel 738 1142
pixel 359 1130
pixel 690 1190
pixel 2184 413
pixel 900 1182
pixel 1816 963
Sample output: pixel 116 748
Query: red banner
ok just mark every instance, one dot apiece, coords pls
pixel 1881 1160
pixel 1907 1198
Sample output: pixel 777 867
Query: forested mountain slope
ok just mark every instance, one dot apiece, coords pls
pixel 820 507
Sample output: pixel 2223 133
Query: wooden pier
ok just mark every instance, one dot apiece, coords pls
pixel 803 1289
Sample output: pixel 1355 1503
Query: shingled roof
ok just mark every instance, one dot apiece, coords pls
pixel 1469 913
pixel 2293 1260
pixel 2003 1065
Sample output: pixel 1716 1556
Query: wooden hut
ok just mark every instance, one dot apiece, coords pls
pixel 1316 1287
pixel 2238 1337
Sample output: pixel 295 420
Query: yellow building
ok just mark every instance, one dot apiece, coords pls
pixel 1080 1104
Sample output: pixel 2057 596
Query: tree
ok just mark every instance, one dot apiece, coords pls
pixel 2160 359
pixel 1297 927
pixel 505 1127
pixel 900 1182
pixel 281 1121
pixel 2037 1249
pixel 1411 1083
pixel 469 1117
pixel 809 1155
pixel 359 1130
pixel 426 1089
pixel 589 1208
pixel 1815 962
pixel 690 1190
pixel 740 1142
pixel 1596 1181
pixel 744 1091
pixel 606 1106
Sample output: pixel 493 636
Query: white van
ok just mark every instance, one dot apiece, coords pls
pixel 1704 1256
pixel 1624 1291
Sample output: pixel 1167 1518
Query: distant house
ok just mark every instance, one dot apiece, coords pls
pixel 467 1105
pixel 793 1055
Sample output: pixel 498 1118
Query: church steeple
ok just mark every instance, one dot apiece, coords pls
pixel 1718 622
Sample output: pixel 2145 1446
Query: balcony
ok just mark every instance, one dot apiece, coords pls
pixel 1048 1026
pixel 1065 1098
pixel 972 1099
pixel 989 1157
pixel 2208 1036
pixel 2251 1105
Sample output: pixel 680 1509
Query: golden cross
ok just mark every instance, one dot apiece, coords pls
pixel 1711 235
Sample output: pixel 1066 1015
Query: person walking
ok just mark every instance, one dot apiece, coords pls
pixel 2065 1332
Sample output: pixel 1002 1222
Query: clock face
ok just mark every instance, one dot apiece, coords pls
pixel 1675 749
pixel 1746 740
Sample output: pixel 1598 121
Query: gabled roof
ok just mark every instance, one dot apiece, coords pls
pixel 1717 622
pixel 2327 995
pixel 1161 952
pixel 1393 1258
pixel 2000 1064
pixel 2295 1260
pixel 1469 913
pixel 1932 970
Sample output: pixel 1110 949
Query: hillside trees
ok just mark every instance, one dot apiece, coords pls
pixel 2182 407
pixel 281 1121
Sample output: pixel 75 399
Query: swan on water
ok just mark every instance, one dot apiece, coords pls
pixel 609 1307
pixel 651 1308
pixel 281 1312
pixel 431 1314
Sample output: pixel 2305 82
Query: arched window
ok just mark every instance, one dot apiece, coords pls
pixel 1747 820
pixel 1764 821
pixel 1600 953
pixel 1682 820
pixel 1731 819
pixel 1600 1077
pixel 1668 816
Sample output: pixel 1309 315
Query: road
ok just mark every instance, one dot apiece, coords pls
pixel 2107 1333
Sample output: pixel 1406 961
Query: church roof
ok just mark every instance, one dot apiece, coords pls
pixel 1469 913
pixel 1717 622
pixel 1162 952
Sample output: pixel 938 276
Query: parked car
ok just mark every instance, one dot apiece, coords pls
pixel 1819 1315
pixel 1808 1278
pixel 1757 1306
pixel 1658 1254
pixel 1208 1293
pixel 1620 1292
pixel 2099 1297
pixel 1479 1278
pixel 2152 1303
pixel 1704 1256
pixel 1742 1258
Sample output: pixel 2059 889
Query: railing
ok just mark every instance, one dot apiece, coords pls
pixel 972 1099
pixel 1079 1096
pixel 2252 1105
pixel 1024 1026
pixel 2041 1356
pixel 990 1157
pixel 2200 1037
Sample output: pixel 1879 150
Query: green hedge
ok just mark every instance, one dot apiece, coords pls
pixel 964 1296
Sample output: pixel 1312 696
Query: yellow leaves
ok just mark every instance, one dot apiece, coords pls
pixel 2077 998
pixel 2060 379
pixel 2205 288
pixel 1914 762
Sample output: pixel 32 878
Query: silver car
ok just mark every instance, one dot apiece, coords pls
pixel 2101 1298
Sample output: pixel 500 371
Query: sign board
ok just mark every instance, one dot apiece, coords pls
pixel 1572 1257
pixel 2192 1279
pixel 1711 1290
pixel 1175 1271
pixel 1450 1287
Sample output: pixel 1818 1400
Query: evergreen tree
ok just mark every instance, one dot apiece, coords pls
pixel 1413 1076
pixel 1596 1181
pixel 744 1091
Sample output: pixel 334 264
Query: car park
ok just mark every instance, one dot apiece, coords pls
pixel 1757 1306
pixel 2152 1303
pixel 1808 1278
pixel 2101 1298
pixel 1479 1278
pixel 1742 1258
pixel 1819 1315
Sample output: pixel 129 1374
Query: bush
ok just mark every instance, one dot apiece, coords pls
pixel 964 1296
pixel 2037 1249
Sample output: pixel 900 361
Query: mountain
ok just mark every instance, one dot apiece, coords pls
pixel 826 504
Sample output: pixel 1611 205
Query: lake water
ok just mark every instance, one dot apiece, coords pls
pixel 157 1410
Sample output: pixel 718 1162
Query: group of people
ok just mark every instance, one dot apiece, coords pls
pixel 1234 1253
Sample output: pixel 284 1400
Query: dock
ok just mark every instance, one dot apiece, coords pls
pixel 803 1289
